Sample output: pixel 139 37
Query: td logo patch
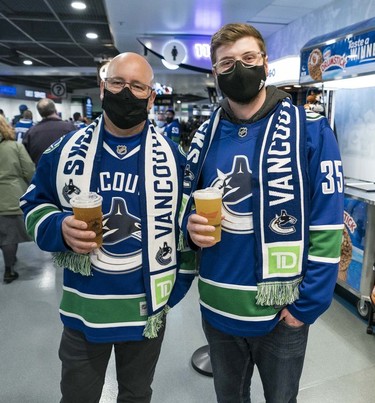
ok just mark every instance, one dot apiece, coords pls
pixel 284 260
pixel 163 287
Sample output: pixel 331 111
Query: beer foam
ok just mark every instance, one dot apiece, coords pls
pixel 86 200
pixel 207 194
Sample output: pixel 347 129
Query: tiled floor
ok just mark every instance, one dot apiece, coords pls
pixel 339 366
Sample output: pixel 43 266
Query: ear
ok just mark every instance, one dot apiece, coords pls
pixel 101 96
pixel 151 100
pixel 266 65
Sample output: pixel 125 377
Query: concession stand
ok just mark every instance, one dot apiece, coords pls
pixel 342 65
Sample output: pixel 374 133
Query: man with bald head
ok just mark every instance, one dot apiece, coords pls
pixel 39 137
pixel 115 294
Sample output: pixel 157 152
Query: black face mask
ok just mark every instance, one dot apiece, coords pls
pixel 124 109
pixel 169 120
pixel 242 85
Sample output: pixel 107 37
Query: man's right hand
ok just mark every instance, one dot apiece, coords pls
pixel 76 235
pixel 196 225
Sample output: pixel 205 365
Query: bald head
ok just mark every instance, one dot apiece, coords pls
pixel 131 67
pixel 46 107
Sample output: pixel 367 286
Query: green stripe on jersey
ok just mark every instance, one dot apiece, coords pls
pixel 35 216
pixel 233 301
pixel 97 310
pixel 325 243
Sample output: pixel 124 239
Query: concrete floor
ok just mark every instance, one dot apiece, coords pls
pixel 339 365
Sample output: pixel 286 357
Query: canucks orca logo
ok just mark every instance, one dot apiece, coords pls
pixel 163 255
pixel 236 187
pixel 188 176
pixel 119 224
pixel 70 189
pixel 283 224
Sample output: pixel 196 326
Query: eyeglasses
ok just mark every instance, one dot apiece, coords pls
pixel 248 60
pixel 138 89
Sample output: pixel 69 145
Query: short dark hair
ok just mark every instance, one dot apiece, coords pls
pixel 27 114
pixel 171 111
pixel 76 115
pixel 231 33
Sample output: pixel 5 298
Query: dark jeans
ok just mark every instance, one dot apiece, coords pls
pixel 278 355
pixel 84 366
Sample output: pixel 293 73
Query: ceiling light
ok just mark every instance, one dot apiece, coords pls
pixel 78 5
pixel 170 66
pixel 91 35
pixel 28 62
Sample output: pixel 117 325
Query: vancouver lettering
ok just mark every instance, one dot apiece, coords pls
pixel 163 192
pixel 280 189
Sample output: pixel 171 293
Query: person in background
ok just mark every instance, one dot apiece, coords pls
pixel 47 131
pixel 22 108
pixel 16 171
pixel 115 296
pixel 160 122
pixel 78 120
pixel 23 125
pixel 274 271
pixel 172 127
pixel 313 104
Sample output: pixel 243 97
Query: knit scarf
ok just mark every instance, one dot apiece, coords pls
pixel 79 163
pixel 280 199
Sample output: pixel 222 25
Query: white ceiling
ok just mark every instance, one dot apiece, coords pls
pixel 132 19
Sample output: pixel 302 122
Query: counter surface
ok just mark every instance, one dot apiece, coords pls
pixel 359 194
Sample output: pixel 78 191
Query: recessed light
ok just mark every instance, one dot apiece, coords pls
pixel 28 62
pixel 91 35
pixel 78 5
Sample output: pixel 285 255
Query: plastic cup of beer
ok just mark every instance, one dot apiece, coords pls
pixel 87 207
pixel 208 205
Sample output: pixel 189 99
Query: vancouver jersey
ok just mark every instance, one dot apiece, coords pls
pixel 109 305
pixel 227 281
pixel 172 130
pixel 22 126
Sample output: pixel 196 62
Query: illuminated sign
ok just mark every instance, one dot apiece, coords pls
pixel 341 54
pixel 88 107
pixel 174 52
pixel 190 51
pixel 202 50
pixel 35 94
pixel 283 71
pixel 8 90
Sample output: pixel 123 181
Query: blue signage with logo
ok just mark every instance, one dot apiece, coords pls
pixel 340 54
pixel 190 51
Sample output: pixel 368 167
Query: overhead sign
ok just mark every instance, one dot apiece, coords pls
pixel 191 52
pixel 58 90
pixel 8 90
pixel 342 54
pixel 284 71
pixel 174 52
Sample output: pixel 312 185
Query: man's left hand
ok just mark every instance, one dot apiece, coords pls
pixel 289 319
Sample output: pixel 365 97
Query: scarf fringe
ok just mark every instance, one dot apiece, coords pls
pixel 155 323
pixel 278 293
pixel 75 262
pixel 181 245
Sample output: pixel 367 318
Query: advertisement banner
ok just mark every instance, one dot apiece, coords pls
pixel 339 56
pixel 355 217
